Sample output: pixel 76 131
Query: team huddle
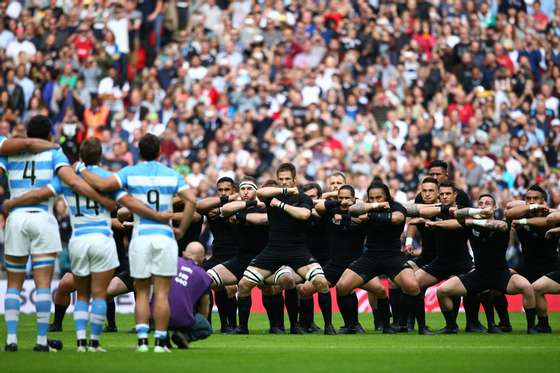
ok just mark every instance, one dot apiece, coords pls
pixel 289 241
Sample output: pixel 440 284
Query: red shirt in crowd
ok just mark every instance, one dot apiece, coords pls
pixel 465 111
pixel 83 46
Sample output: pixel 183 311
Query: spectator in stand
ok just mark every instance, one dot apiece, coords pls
pixel 374 90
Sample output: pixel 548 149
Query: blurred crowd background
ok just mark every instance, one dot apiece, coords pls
pixel 368 87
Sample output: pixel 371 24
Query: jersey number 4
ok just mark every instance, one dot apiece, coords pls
pixel 29 171
pixel 90 205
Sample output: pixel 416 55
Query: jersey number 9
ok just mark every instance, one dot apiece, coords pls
pixel 152 196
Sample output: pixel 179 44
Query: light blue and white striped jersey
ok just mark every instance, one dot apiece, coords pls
pixel 27 172
pixel 87 216
pixel 154 184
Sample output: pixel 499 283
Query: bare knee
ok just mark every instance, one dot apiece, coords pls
pixel 287 281
pixel 244 287
pixel 306 290
pixel 321 284
pixel 67 283
pixel 538 287
pixel 411 288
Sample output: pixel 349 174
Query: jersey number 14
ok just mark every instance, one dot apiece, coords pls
pixel 90 205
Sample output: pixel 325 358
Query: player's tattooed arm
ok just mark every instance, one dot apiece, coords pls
pixel 20 145
pixel 491 224
pixel 466 213
pixel 361 208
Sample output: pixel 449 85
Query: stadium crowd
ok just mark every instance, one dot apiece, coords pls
pixel 371 91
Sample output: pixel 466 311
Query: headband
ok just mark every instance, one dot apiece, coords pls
pixel 249 184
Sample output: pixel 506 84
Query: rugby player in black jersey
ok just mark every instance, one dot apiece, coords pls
pixel 438 169
pixel 429 193
pixel 317 241
pixel 224 247
pixel 287 211
pixel 385 220
pixel 489 239
pixel 539 255
pixel 345 237
pixel 318 247
pixel 249 219
pixel 549 283
pixel 453 256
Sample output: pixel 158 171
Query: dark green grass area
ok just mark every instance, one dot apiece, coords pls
pixel 259 352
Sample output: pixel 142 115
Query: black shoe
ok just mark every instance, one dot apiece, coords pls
pixel 402 329
pixel 532 331
pixel 449 330
pixel 346 330
pixel 227 330
pixel 12 347
pixel 243 330
pixel 424 330
pixel 181 340
pixel 359 329
pixel 314 328
pixel 494 329
pixel 42 348
pixel 55 344
pixel 330 330
pixel 296 329
pixel 110 329
pixel 54 327
pixel 390 330
pixel 545 329
pixel 275 330
pixel 475 328
pixel 506 328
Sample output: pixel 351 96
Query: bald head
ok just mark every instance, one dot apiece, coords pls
pixel 195 252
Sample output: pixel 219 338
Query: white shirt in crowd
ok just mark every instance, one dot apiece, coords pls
pixel 119 27
pixel 16 47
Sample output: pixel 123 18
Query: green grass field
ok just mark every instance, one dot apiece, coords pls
pixel 259 352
